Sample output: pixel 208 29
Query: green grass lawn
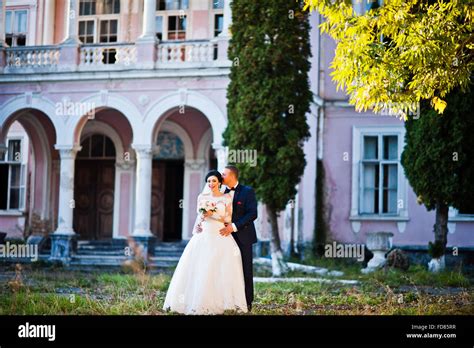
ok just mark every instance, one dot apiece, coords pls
pixel 48 290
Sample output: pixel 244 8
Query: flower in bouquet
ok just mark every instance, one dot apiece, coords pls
pixel 206 206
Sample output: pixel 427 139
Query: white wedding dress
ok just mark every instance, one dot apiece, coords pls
pixel 209 277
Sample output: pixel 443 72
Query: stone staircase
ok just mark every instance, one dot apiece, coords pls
pixel 111 254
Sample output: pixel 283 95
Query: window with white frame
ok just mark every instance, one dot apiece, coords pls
pixel 378 181
pixel 12 177
pixel 171 19
pixel 379 174
pixel 467 208
pixel 16 27
pixel 167 5
pixel 98 21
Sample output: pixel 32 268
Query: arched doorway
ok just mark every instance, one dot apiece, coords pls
pixel 167 187
pixel 94 188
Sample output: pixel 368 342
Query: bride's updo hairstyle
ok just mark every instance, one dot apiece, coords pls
pixel 216 174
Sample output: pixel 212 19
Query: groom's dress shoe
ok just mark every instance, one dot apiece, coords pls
pixel 249 307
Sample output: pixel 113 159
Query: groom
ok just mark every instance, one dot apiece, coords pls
pixel 244 212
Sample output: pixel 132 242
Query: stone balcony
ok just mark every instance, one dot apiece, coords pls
pixel 188 54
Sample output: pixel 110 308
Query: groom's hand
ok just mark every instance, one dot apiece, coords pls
pixel 226 230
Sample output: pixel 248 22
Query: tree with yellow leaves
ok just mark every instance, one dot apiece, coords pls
pixel 400 52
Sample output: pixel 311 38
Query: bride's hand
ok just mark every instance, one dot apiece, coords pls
pixel 206 214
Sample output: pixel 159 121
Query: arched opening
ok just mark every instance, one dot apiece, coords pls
pixel 28 195
pixel 94 184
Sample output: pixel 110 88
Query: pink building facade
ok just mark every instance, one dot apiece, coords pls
pixel 111 113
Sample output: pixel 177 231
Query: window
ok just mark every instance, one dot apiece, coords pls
pixel 217 14
pixel 98 22
pixel 87 7
pixel 111 6
pixel 108 30
pixel 97 146
pixel 372 4
pixel 166 5
pixel 176 27
pixel 379 168
pixel 159 27
pixel 467 208
pixel 12 177
pixel 217 4
pixel 100 7
pixel 16 27
pixel 86 31
pixel 379 188
pixel 171 20
pixel 218 24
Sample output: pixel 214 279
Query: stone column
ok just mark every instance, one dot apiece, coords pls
pixel 222 41
pixel 148 30
pixel 227 19
pixel 71 22
pixel 63 239
pixel 69 57
pixel 193 175
pixel 2 34
pixel 3 150
pixel 147 42
pixel 142 234
pixel 48 24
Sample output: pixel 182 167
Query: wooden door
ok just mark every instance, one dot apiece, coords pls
pixel 94 198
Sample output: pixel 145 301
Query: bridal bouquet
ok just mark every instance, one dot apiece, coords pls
pixel 206 206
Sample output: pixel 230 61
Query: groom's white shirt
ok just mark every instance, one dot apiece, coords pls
pixel 232 193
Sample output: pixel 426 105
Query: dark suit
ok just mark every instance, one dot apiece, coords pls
pixel 244 212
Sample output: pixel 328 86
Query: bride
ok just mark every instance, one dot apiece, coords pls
pixel 209 277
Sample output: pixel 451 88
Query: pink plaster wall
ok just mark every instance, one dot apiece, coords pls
pixel 200 25
pixel 59 21
pixel 195 185
pixel 124 210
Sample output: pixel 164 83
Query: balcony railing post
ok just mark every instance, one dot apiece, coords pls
pixel 147 42
pixel 146 54
pixel 69 57
pixel 222 41
pixel 3 58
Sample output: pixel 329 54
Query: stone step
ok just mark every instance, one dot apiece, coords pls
pixel 119 261
pixel 121 253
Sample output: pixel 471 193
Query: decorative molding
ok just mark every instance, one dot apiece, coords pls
pixel 451 227
pixel 124 165
pixel 144 99
pixel 356 226
pixel 183 96
pixel 195 164
pixel 104 96
pixel 401 225
pixel 169 146
pixel 143 151
pixel 67 152
pixel 28 98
